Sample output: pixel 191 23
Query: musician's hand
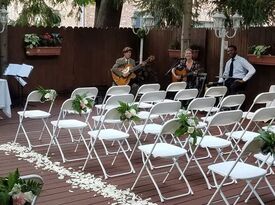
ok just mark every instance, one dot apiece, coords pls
pixel 240 81
pixel 178 77
pixel 143 63
pixel 125 74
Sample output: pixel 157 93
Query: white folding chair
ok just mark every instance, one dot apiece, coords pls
pixel 111 135
pixel 159 109
pixel 271 90
pixel 36 178
pixel 41 114
pixel 174 87
pixel 234 169
pixel 146 88
pixel 114 90
pixel 164 150
pixel 218 92
pixel 67 122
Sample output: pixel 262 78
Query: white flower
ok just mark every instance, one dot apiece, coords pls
pixel 15 189
pixel 85 101
pixel 47 96
pixel 133 112
pixel 128 115
pixel 28 196
pixel 191 122
pixel 190 130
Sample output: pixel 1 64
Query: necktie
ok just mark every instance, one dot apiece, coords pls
pixel 231 68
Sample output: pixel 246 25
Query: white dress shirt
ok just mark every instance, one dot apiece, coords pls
pixel 242 68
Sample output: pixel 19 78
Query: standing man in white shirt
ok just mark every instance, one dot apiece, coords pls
pixel 237 71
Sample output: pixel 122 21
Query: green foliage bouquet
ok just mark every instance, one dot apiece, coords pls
pixel 16 191
pixel 188 125
pixel 82 103
pixel 46 94
pixel 128 112
pixel 268 140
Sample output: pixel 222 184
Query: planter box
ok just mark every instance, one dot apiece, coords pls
pixel 262 60
pixel 43 51
pixel 174 53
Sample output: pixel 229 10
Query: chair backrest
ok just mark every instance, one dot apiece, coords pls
pixel 114 100
pixel 88 91
pixel 35 178
pixel 217 91
pixel 201 103
pixel 170 126
pixel 35 97
pixel 153 96
pixel 116 90
pixel 164 108
pixel 147 88
pixel 176 86
pixel 271 90
pixel 186 94
pixel 231 101
pixel 225 118
pixel 264 114
pixel 262 98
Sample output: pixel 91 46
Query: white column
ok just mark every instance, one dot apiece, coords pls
pixel 141 50
pixel 221 59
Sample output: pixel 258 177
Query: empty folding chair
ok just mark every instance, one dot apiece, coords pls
pixel 271 90
pixel 109 135
pixel 185 96
pixel 114 90
pixel 67 122
pixel 164 150
pixel 41 114
pixel 146 88
pixel 218 92
pixel 174 87
pixel 234 169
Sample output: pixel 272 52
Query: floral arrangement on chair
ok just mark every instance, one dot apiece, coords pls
pixel 128 112
pixel 267 139
pixel 16 191
pixel 188 125
pixel 82 103
pixel 46 94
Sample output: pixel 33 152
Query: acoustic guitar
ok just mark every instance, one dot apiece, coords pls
pixel 120 80
pixel 182 73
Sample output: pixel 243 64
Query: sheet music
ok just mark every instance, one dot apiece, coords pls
pixel 23 70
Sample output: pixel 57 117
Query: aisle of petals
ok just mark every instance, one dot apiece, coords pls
pixel 77 179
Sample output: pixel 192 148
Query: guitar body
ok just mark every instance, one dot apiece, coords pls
pixel 124 80
pixel 183 73
pixel 120 80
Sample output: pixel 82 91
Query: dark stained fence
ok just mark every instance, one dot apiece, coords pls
pixel 88 54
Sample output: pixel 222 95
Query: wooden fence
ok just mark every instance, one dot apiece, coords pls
pixel 88 54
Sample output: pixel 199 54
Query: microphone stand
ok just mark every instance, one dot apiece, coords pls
pixel 171 68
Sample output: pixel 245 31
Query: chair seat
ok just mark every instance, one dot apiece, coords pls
pixel 249 115
pixel 97 119
pixel 107 107
pixel 201 125
pixel 69 124
pixel 109 134
pixel 207 119
pixel 169 100
pixel 149 128
pixel 144 115
pixel 75 112
pixel 270 128
pixel 34 114
pixel 213 109
pixel 163 150
pixel 248 135
pixel 262 157
pixel 144 105
pixel 214 142
pixel 241 170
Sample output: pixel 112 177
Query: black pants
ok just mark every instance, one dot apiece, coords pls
pixel 234 87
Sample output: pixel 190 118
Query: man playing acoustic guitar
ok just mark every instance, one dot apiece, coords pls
pixel 186 70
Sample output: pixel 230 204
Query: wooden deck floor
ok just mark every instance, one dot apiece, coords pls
pixel 56 191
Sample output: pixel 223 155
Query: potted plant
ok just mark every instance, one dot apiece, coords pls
pixel 43 45
pixel 258 54
pixel 174 49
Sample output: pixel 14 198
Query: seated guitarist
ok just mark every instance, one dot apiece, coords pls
pixel 186 70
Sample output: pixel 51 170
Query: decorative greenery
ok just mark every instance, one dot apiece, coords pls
pixel 258 50
pixel 16 191
pixel 268 139
pixel 46 94
pixel 188 126
pixel 82 103
pixel 33 40
pixel 128 112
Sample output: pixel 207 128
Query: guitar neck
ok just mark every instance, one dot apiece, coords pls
pixel 136 68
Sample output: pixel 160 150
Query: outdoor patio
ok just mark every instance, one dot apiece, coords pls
pixel 58 189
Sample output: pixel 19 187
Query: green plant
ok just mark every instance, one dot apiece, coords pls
pixel 31 40
pixel 128 112
pixel 258 50
pixel 268 140
pixel 14 190
pixel 46 94
pixel 82 103
pixel 188 125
